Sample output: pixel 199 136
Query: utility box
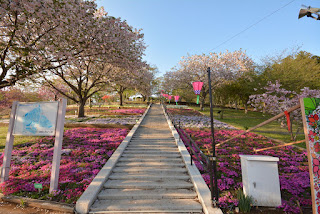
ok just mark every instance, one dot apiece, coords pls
pixel 260 178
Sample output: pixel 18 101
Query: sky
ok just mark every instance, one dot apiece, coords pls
pixel 175 28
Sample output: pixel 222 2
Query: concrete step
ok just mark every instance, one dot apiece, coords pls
pixel 144 131
pixel 155 149
pixel 149 152
pixel 150 137
pixel 149 133
pixel 164 159
pixel 149 176
pixel 150 164
pixel 119 194
pixel 151 144
pixel 148 184
pixel 151 147
pixel 164 155
pixel 148 169
pixel 148 206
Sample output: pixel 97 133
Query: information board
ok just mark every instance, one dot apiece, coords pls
pixel 37 119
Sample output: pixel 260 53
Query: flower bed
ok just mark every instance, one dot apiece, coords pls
pixel 108 111
pixel 85 151
pixel 199 122
pixel 184 111
pixel 189 118
pixel 293 167
pixel 127 111
pixel 115 119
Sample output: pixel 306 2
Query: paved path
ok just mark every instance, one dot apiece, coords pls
pixel 150 176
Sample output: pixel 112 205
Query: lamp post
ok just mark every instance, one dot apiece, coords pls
pixel 213 160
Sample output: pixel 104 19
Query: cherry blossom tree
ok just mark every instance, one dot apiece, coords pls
pixel 48 93
pixel 110 45
pixel 121 80
pixel 37 36
pixel 224 66
pixel 277 100
pixel 143 82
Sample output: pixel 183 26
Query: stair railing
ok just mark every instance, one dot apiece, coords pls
pixel 195 152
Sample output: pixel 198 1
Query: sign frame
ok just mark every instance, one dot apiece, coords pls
pixel 17 130
pixel 59 130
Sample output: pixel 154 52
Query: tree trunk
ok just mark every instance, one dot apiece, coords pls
pixel 120 98
pixel 202 100
pixel 202 104
pixel 81 109
pixel 144 98
pixel 264 109
pixel 246 108
pixel 236 104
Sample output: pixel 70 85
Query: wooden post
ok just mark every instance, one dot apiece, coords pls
pixel 272 147
pixel 9 145
pixel 261 124
pixel 58 145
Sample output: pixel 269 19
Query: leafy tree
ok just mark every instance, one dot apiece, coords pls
pixel 240 89
pixel 295 71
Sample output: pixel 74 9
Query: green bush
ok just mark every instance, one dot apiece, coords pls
pixel 245 201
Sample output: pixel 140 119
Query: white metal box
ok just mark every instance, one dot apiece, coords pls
pixel 260 178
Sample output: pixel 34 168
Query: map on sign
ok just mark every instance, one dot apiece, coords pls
pixel 37 119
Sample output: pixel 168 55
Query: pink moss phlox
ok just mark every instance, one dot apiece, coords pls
pixel 85 151
pixel 293 166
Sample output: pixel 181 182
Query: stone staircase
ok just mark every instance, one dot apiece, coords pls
pixel 150 176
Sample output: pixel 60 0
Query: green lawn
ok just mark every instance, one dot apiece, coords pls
pixel 240 120
pixel 17 139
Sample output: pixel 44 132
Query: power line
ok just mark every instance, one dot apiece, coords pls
pixel 252 25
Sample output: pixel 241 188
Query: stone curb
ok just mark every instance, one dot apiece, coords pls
pixel 50 205
pixel 200 186
pixel 90 194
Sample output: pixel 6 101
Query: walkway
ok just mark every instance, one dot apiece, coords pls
pixel 150 176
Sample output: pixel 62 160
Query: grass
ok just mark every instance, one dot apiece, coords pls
pixel 240 120
pixel 17 139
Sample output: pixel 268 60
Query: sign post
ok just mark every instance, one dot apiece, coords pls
pixel 9 145
pixel 58 146
pixel 36 119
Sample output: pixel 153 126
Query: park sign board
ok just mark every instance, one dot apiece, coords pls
pixel 310 109
pixel 39 119
pixel 36 119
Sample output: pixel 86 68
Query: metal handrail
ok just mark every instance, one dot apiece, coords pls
pixel 194 148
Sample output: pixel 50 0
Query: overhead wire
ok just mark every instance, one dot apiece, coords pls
pixel 265 17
